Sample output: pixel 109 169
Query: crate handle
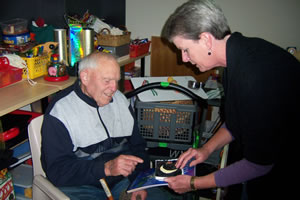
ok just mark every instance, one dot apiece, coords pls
pixel 168 86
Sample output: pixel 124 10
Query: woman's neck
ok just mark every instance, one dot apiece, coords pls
pixel 221 56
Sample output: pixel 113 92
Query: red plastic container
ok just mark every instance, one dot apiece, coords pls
pixel 128 85
pixel 8 74
pixel 129 67
pixel 138 50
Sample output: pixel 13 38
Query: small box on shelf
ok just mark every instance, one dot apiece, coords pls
pixel 14 26
pixel 9 75
pixel 118 51
pixel 139 49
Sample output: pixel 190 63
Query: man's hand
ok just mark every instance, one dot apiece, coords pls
pixel 122 165
pixel 141 193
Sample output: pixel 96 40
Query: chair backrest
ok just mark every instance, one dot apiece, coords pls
pixel 34 134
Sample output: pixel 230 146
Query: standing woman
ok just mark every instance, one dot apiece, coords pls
pixel 261 87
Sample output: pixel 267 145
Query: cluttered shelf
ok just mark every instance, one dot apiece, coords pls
pixel 58 57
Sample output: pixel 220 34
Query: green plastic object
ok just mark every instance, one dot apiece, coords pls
pixel 162 144
pixel 164 84
pixel 197 139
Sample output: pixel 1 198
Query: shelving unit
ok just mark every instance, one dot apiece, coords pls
pixel 130 60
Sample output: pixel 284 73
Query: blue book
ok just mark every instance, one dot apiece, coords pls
pixel 147 179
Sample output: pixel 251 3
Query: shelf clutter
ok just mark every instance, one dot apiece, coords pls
pixel 6 185
pixel 81 36
pixel 16 183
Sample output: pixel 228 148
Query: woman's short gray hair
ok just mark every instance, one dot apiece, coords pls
pixel 195 17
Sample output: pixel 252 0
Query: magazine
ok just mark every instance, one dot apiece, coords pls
pixel 148 178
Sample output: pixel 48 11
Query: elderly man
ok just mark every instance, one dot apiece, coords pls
pixel 89 133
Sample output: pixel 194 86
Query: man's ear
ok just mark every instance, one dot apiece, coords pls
pixel 84 76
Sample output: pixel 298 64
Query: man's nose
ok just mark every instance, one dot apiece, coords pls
pixel 114 85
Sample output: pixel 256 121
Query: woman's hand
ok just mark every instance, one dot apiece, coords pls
pixel 180 183
pixel 200 155
pixel 218 140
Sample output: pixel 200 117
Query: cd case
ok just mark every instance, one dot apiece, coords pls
pixel 166 168
pixel 148 178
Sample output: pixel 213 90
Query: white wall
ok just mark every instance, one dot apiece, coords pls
pixel 273 20
pixel 145 18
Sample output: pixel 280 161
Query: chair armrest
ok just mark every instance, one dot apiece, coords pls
pixel 44 189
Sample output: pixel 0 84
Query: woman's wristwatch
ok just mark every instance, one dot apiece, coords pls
pixel 192 183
